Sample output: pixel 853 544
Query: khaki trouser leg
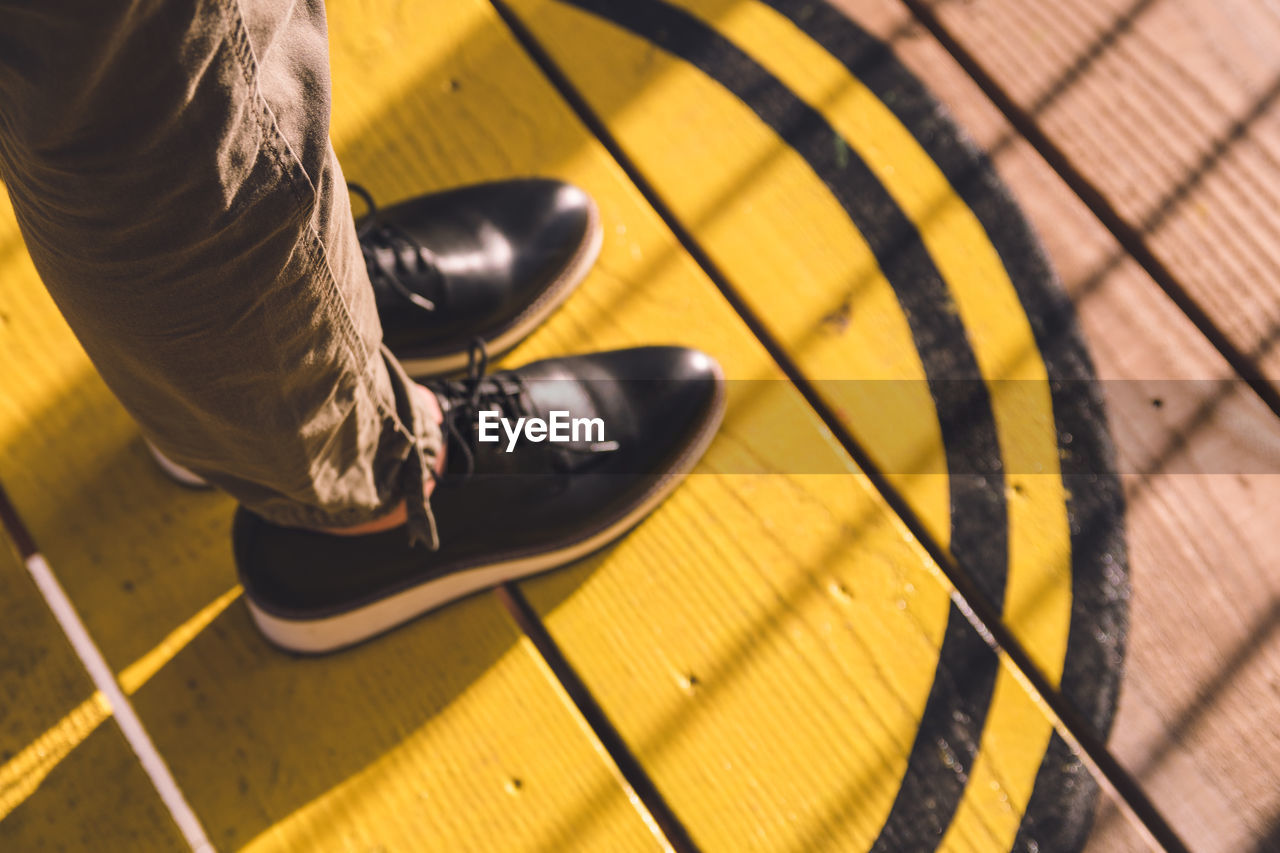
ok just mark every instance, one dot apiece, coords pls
pixel 170 165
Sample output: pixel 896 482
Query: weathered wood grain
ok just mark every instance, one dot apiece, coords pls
pixel 790 252
pixel 68 779
pixel 1169 109
pixel 1194 723
pixel 449 735
pixel 765 642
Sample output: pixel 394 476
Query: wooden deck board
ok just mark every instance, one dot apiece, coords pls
pixel 68 779
pixel 1169 109
pixel 764 219
pixel 647 289
pixel 452 730
pixel 765 643
pixel 455 105
pixel 1191 725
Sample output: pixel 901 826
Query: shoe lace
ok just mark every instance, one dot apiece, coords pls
pixel 504 392
pixel 391 255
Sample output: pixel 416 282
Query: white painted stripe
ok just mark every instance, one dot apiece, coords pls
pixel 137 736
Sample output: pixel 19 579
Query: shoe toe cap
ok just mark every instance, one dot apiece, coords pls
pixel 670 396
pixel 553 223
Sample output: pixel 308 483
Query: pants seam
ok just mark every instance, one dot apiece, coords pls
pixel 317 260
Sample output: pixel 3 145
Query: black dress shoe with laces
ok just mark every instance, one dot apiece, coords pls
pixel 489 262
pixel 504 509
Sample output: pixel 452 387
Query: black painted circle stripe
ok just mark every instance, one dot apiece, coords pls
pixel 1095 506
pixel 955 713
pixel 1096 502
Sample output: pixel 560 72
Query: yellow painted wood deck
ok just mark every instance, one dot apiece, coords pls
pixel 785 653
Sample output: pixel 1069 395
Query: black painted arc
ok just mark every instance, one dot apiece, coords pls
pixel 1095 500
pixel 947 741
pixel 1094 663
pixel 955 712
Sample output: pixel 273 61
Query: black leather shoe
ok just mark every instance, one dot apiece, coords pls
pixel 489 261
pixel 504 509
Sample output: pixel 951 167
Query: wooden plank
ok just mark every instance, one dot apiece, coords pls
pixel 450 731
pixel 68 779
pixel 762 218
pixel 1114 832
pixel 1194 716
pixel 721 779
pixel 398 741
pixel 453 733
pixel 1169 109
pixel 807 583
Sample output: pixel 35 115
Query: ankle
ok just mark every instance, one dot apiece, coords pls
pixel 399 515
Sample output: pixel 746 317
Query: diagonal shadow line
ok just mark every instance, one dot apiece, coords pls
pixel 1098 48
pixel 668 824
pixel 357 750
pixel 359 150
pixel 1260 633
pixel 1132 238
pixel 1219 146
pixel 1198 421
pixel 22 775
pixel 1201 419
pixel 1210 406
pixel 732 665
pixel 1218 149
pixel 674 250
pixel 1263 631
pixel 1182 436
pixel 973 604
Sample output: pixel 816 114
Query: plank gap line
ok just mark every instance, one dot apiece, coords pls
pixel 1127 235
pixel 96 665
pixel 981 615
pixel 656 812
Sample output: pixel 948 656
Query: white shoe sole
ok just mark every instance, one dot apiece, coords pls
pixel 328 634
pixel 177 473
